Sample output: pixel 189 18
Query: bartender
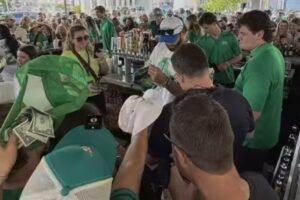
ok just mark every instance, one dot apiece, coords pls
pixel 222 49
pixel 261 82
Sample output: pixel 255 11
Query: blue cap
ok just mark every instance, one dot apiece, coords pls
pixel 168 38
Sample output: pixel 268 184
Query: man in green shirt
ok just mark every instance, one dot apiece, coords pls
pixel 106 27
pixel 261 82
pixel 221 48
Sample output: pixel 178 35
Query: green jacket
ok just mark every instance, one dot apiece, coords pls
pixel 107 31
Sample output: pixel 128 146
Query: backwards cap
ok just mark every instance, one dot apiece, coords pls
pixel 79 168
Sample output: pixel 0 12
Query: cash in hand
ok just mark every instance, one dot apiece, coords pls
pixel 33 125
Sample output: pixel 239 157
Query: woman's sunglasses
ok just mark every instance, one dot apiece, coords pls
pixel 80 39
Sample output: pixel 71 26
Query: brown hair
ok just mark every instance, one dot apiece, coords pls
pixel 100 9
pixel 194 26
pixel 189 59
pixel 201 127
pixel 68 44
pixel 296 21
pixel 256 21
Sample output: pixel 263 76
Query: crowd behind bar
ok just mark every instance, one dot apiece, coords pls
pixel 206 126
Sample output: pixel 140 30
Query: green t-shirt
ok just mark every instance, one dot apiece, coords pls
pixel 107 31
pixel 219 51
pixel 44 40
pixel 123 194
pixel 193 36
pixel 261 82
pixel 94 34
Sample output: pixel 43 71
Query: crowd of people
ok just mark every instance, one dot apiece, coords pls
pixel 201 133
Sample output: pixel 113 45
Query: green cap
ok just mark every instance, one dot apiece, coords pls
pixel 80 167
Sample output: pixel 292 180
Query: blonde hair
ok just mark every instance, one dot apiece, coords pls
pixel 25 22
pixel 70 36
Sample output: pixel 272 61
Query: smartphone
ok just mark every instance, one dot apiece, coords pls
pixel 98 48
pixel 93 122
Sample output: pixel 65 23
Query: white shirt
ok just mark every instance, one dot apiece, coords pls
pixel 161 58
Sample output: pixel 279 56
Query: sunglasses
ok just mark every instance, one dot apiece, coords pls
pixel 166 32
pixel 84 38
pixel 172 142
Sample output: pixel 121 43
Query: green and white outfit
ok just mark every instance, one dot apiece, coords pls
pixel 161 58
pixel 94 33
pixel 53 84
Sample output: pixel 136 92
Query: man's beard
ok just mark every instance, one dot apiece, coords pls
pixel 173 47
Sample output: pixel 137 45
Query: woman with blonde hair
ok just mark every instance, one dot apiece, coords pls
pixel 25 23
pixel 194 29
pixel 78 47
pixel 60 37
pixel 282 36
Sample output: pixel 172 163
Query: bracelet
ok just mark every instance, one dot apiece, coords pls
pixel 3 178
pixel 166 82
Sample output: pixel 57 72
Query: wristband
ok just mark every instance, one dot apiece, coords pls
pixel 3 178
pixel 166 82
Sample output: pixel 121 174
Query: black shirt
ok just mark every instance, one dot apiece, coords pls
pixel 239 112
pixel 259 187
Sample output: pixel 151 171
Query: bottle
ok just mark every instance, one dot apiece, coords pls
pixel 278 187
pixel 295 130
pixel 292 140
pixel 291 50
pixel 287 158
pixel 285 50
pixel 284 169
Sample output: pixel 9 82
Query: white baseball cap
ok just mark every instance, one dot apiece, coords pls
pixel 170 28
pixel 137 113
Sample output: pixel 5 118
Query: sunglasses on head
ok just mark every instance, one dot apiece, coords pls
pixel 80 39
pixel 179 147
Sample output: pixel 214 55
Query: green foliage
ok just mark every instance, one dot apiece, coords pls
pixel 3 3
pixel 76 9
pixel 60 6
pixel 222 5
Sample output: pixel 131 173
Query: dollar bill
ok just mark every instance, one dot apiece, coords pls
pixel 32 125
pixel 38 137
pixel 21 133
pixel 42 124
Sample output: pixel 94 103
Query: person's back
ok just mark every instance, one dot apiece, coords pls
pixel 258 186
pixel 241 120
pixel 240 116
pixel 202 142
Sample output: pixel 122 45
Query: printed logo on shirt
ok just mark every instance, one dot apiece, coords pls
pixel 224 42
pixel 166 66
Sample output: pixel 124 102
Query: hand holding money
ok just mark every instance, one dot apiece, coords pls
pixel 33 125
